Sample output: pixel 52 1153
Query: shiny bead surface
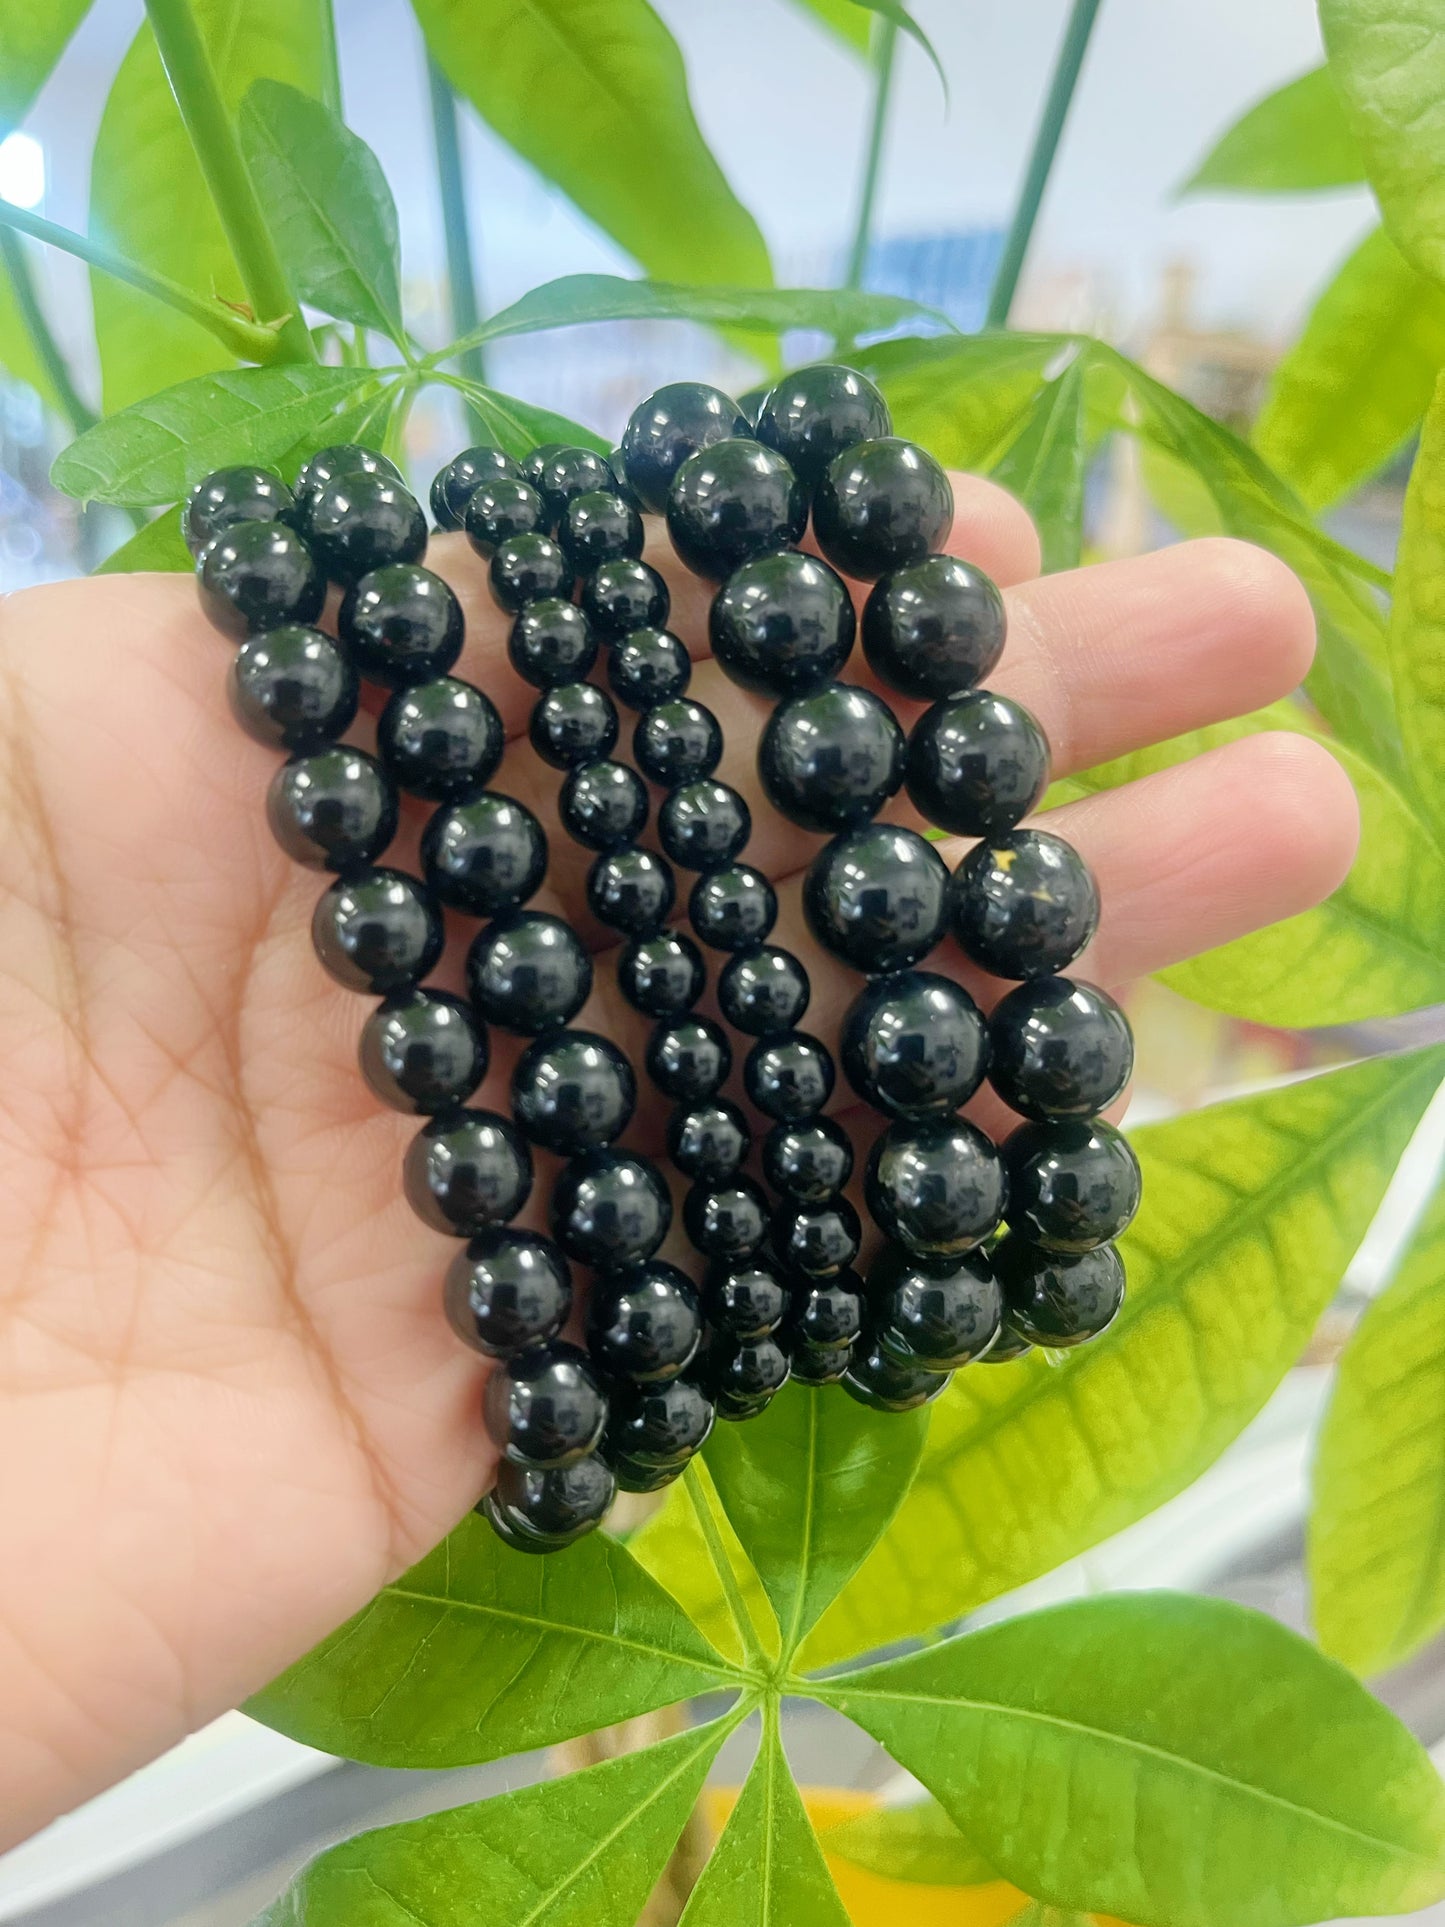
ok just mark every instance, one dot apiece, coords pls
pixel 567 474
pixel 507 1290
pixel 661 976
pixel 732 908
pixel 688 1058
pixel 763 991
pixel 831 759
pixel 1056 1299
pixel 1009 1345
pixel 672 424
pixel 977 764
pixel 915 1044
pixel 231 495
pixel 527 568
pixel 939 1319
pixel 818 1364
pixel 293 688
pixel 644 1323
pixel 603 805
pixel 609 1209
pixel 744 1301
pixel 881 504
pixel 259 575
pixel 1071 1185
pixel 466 1170
pixel 633 1476
pixel 1023 905
pixel 360 522
pixel 551 642
pixel 539 1512
pixel 423 1051
pixel 1059 1049
pixel 545 1406
pixel 782 624
pixel 648 667
pixel 631 890
pixel 809 1160
pixel 485 855
pixel 704 825
pixel 790 1076
pixel 877 1381
pixel 813 415
pixel 936 1185
pixel 658 1425
pixel 625 595
pixel 572 1091
pixel 744 1375
pixel 528 973
pixel 732 502
pixel 403 625
pixel 827 1311
pixel 379 931
pixel 499 511
pixel 331 463
pixel 708 1140
pixel 726 1222
pixel 441 740
pixel 621 486
pixel 876 898
pixel 599 526
pixel 817 1240
pixel 572 724
pixel 455 485
pixel 933 628
pixel 677 742
pixel 538 458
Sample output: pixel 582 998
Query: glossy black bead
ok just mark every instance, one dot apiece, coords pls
pixel 527 568
pixel 977 764
pixel 360 522
pixel 621 486
pixel 379 931
pixel 455 485
pixel 704 825
pixel 726 1222
pixel 915 1044
pixel 936 1185
pixel 782 624
pixel 1072 1184
pixel 877 898
pixel 1057 1299
pixel 528 973
pixel 789 1077
pixel 625 595
pixel 688 1058
pixel 633 1476
pixel 763 991
pixel 485 855
pixel 567 474
pixel 827 1311
pixel 1009 1345
pixel 678 742
pixel 572 724
pixel 810 1160
pixel 933 627
pixel 814 414
pixel 465 1170
pixel 676 422
pixel 545 1407
pixel 572 1091
pixel 732 502
pixel 538 458
pixel 631 890
pixel 538 1512
pixel 734 908
pixel 831 759
pixel 552 643
pixel 879 505
pixel 423 1051
pixel 603 805
pixel 658 1426
pixel 507 1290
pixel 644 1323
pixel 661 976
pixel 1059 1049
pixel 708 1140
pixel 500 511
pixel 940 1319
pixel 331 463
pixel 293 688
pixel 744 1301
pixel 259 575
pixel 744 1375
pixel 610 1209
pixel 599 526
pixel 817 1240
pixel 877 1381
pixel 403 625
pixel 1023 905
pixel 441 740
pixel 228 496
pixel 818 1364
pixel 648 667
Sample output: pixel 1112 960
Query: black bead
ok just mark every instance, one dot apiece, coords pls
pixel 1023 905
pixel 603 805
pixel 360 522
pixel 708 1140
pixel 936 1185
pixel 704 825
pixel 1009 1345
pixel 726 1222
pixel 441 740
pixel 403 624
pixel 977 764
pixel 827 1311
pixel 1057 1299
pixel 331 463
pixel 818 1364
pixel 485 855
pixel 572 1091
pixel 552 642
pixel 933 628
pixel 644 1323
pixel 744 1301
pixel 599 526
pixel 668 427
pixel 831 759
pixel 631 890
pixel 621 486
pixel 688 1058
pixel 455 485
pixel 500 511
pixel 876 898
pixel 661 976
pixel 789 1077
pixel 380 931
pixel 1059 1049
pixel 293 688
pixel 528 973
pixel 881 504
pixel 648 667
pixel 633 1476
pixel 539 1512
pixel 507 1290
pixel 538 459
pixel 229 496
pixel 567 474
pixel 763 991
pixel 658 1425
pixel 424 1051
pixel 609 1209
pixel 465 1170
pixel 809 1161
pixel 817 1240
pixel 782 624
pixel 677 742
pixel 1071 1184
pixel 732 502
pixel 259 575
pixel 744 1375
pixel 527 568
pixel 915 1044
pixel 572 724
pixel 750 404
pixel 876 1381
pixel 734 908
pixel 939 1319
pixel 812 415
pixel 622 596
pixel 545 1407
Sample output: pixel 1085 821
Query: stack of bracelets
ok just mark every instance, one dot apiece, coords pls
pixel 664 1354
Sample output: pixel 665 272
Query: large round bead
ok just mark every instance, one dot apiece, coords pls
pixel 466 1170
pixel 672 424
pixel 830 760
pixel 537 1512
pixel 877 897
pixel 644 1323
pixel 528 973
pixel 659 1425
pixel 441 740
pixel 1059 1049
pixel 936 1185
pixel 1055 1298
pixel 228 496
pixel 744 1375
pixel 423 1051
pixel 258 576
pixel 500 509
pixel 933 627
pixel 876 1380
pixel 455 485
pixel 573 1090
pixel 879 505
pixel 293 688
pixel 1071 1184
pixel 485 855
pixel 939 1319
pixel 782 625
pixel 732 502
pixel 915 1044
pixel 1023 905
pixel 610 1208
pixel 380 930
pixel 360 522
pixel 814 414
pixel 545 1407
pixel 403 625
pixel 507 1290
pixel 977 764
pixel 335 809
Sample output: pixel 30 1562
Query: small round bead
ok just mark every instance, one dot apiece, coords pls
pixel 1071 1184
pixel 708 1140
pixel 937 1319
pixel 879 505
pixel 744 1375
pixel 726 1222
pixel 827 1311
pixel 818 1364
pixel 658 1425
pixel 528 973
pixel 876 898
pixel 1059 1049
pixel 625 595
pixel 539 1512
pixel 633 1476
pixel 331 463
pixel 688 1058
pixel 545 1407
pixel 915 1044
pixel 763 991
pixel 977 764
pixel 572 1091
pixel 567 474
pixel 817 1240
pixel 572 724
pixel 789 1077
pixel 933 628
pixel 831 759
pixel 732 502
pixel 1023 905
pixel 677 742
pixel 782 624
pixel 744 1301
pixel 485 855
pixel 551 642
pixel 293 688
pixel 455 485
pixel 621 486
pixel 1009 1345
pixel 599 526
pixel 644 1323
pixel 661 976
pixel 671 425
pixel 441 740
pixel 229 496
pixel 257 576
pixel 704 825
pixel 360 522
pixel 403 624
pixel 501 510
pixel 603 805
pixel 538 459
pixel 1057 1299
pixel 423 1051
pixel 507 1290
pixel 648 667
pixel 527 568
pixel 809 1161
pixel 936 1185
pixel 876 1381
pixel 631 890
pixel 812 416
pixel 734 908
pixel 380 931
pixel 466 1170
pixel 609 1209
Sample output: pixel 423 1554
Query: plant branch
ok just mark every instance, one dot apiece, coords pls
pixel 699 1492
pixel 198 95
pixel 37 328
pixel 463 312
pixel 873 165
pixel 330 60
pixel 1041 160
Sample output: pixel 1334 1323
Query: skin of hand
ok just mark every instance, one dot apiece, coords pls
pixel 230 1406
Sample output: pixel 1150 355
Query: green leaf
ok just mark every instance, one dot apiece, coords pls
pixel 156 450
pixel 961 397
pixel 148 199
pixel 159 545
pixel 1354 386
pixel 1417 621
pixel 32 39
pixel 670 1545
pixel 329 207
pixel 1044 466
pixel 461 1658
pixel 917 1842
pixel 1377 1527
pixel 1294 141
pixel 1177 1762
pixel 846 18
pixel 585 1851
pixel 899 16
pixel 519 426
pixel 594 94
pixel 1252 1209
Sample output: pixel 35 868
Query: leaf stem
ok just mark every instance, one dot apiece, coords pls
pixel 37 328
pixel 198 95
pixel 873 165
pixel 700 1494
pixel 463 312
pixel 1041 160
pixel 330 60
